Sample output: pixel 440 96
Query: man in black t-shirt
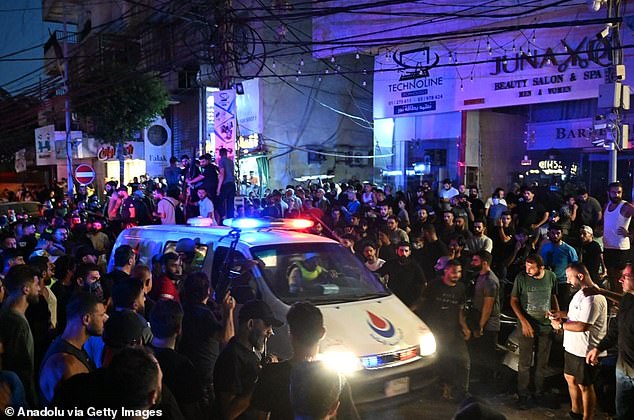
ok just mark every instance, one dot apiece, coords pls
pixel 179 373
pixel 238 366
pixel 204 331
pixel 404 276
pixel 442 309
pixel 529 213
pixel 208 179
pixel 271 395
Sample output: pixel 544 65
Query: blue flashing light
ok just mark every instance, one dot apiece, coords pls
pixel 244 223
pixel 370 362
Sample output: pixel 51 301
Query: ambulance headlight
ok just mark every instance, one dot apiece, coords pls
pixel 427 344
pixel 344 362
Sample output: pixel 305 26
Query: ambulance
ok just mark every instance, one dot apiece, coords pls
pixel 382 347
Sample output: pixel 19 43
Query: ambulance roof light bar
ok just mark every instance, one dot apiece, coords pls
pixel 250 223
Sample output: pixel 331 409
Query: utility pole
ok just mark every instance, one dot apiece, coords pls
pixel 614 12
pixel 69 145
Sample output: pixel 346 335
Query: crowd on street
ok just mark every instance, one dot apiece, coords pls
pixel 149 338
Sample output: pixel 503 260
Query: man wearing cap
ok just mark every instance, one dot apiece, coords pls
pixel 590 252
pixel 238 366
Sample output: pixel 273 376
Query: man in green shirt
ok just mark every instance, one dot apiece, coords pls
pixel 534 294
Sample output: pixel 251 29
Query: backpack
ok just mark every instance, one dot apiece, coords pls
pixel 179 215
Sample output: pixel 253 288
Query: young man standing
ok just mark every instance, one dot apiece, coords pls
pixel 532 298
pixel 23 287
pixel 584 325
pixel 616 240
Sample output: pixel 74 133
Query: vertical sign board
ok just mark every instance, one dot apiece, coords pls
pixel 45 146
pixel 225 123
pixel 158 147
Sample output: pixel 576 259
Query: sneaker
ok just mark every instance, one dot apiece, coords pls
pixel 522 403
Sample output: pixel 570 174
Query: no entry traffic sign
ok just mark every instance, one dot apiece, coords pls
pixel 84 174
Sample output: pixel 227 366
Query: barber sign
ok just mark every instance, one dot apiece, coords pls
pixel 84 174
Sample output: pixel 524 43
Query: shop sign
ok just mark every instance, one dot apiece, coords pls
pixel 131 150
pixel 566 64
pixel 158 147
pixel 45 146
pixel 554 167
pixel 566 134
pixel 225 123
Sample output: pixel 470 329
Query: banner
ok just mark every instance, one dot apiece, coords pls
pixel 249 107
pixel 225 121
pixel 494 71
pixel 82 148
pixel 20 161
pixel 45 146
pixel 158 147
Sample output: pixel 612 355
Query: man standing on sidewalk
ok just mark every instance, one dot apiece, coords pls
pixel 584 325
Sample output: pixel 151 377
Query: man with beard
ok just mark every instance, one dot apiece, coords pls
pixel 557 256
pixel 477 206
pixel 165 287
pixel 533 296
pixel 23 287
pixel 584 326
pixel 404 276
pixel 238 366
pixel 616 241
pixel 442 308
pixel 65 356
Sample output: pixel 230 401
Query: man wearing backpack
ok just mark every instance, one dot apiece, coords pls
pixel 166 207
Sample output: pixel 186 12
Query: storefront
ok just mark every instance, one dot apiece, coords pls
pixel 487 110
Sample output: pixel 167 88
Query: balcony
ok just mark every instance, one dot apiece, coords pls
pixel 59 10
pixel 50 56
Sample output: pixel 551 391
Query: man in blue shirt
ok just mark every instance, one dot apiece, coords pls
pixel 557 256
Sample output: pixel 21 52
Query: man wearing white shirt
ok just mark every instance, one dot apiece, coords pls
pixel 205 205
pixel 584 326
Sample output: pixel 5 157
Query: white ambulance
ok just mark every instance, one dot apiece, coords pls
pixel 383 348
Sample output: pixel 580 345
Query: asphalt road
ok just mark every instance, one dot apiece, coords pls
pixel 428 404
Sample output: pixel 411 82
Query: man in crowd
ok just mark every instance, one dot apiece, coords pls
pixel 316 392
pixel 396 234
pixel 616 241
pixel 23 287
pixel 588 211
pixel 306 328
pixel 205 205
pixel 442 308
pixel 479 241
pixel 124 260
pixel 372 260
pixel 486 322
pixel 166 285
pixel 66 356
pixel 584 326
pixel 165 207
pixel 558 255
pixel 208 179
pixel 530 214
pixel 590 252
pixel 226 189
pixel 179 373
pixel 172 174
pixel 621 332
pixel 532 298
pixel 238 366
pixel 404 276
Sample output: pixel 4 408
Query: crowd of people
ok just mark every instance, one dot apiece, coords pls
pixel 155 340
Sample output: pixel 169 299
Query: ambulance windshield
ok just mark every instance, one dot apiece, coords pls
pixel 321 273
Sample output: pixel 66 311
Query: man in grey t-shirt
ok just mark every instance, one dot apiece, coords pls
pixel 226 185
pixel 485 321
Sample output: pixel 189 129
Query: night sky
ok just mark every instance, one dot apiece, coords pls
pixel 21 27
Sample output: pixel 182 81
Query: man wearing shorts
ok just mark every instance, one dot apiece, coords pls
pixel 616 240
pixel 584 325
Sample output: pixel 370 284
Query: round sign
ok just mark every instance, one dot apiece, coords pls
pixel 84 174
